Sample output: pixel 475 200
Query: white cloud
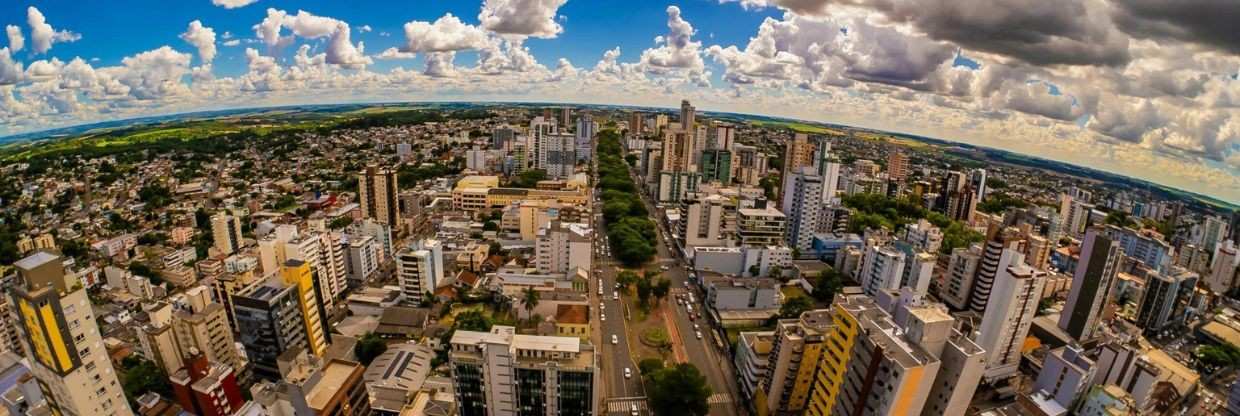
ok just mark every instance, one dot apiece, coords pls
pixel 42 35
pixel 340 49
pixel 10 70
pixel 201 37
pixel 521 18
pixel 363 29
pixel 439 64
pixel 231 42
pixel 233 4
pixel 16 40
pixel 394 53
pixel 447 33
pixel 154 74
pixel 676 53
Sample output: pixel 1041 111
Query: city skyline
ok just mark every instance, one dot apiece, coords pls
pixel 1124 87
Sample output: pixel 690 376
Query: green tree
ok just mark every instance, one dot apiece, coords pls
pixel 341 222
pixel 528 178
pixel 490 226
pixel 649 366
pixel 678 390
pixel 472 320
pixel 139 376
pixel 530 299
pixel 793 307
pixel 827 285
pixel 369 347
pixel 661 289
pixel 644 290
pixel 1119 218
pixel 754 270
pixel 626 278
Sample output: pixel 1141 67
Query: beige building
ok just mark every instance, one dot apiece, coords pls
pixel 376 192
pixel 226 230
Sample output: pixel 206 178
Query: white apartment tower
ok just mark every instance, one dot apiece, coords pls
pixel 563 248
pixel 801 205
pixel 1009 314
pixel 419 268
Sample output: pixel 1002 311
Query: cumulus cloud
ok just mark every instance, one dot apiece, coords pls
pixel 340 49
pixel 201 37
pixel 16 40
pixel 448 33
pixel 231 42
pixel 439 64
pixel 10 70
pixel 42 35
pixel 676 53
pixel 394 53
pixel 233 4
pixel 536 18
pixel 154 74
pixel 363 29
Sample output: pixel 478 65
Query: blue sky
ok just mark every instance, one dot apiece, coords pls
pixel 1156 97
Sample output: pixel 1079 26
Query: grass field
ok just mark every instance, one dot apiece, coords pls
pixel 797 127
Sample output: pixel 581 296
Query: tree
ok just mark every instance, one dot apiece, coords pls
pixel 141 269
pixel 369 347
pixel 341 222
pixel 644 290
pixel 775 272
pixel 661 289
pixel 490 226
pixel 649 366
pixel 678 390
pixel 793 307
pixel 527 178
pixel 153 238
pixel 626 278
pixel 139 376
pixel 754 270
pixel 472 320
pixel 530 299
pixel 1119 218
pixel 827 285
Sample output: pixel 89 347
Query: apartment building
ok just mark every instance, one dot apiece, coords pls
pixel 502 373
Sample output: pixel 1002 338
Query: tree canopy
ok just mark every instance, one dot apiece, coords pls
pixel 678 390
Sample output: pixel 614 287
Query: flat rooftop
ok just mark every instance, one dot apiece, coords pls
pixel 333 379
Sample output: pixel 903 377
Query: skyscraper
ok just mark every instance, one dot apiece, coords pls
pixel 279 316
pixel 62 341
pixel 376 193
pixel 798 153
pixel 637 123
pixel 226 231
pixel 687 117
pixel 1001 245
pixel 791 363
pixel 1165 299
pixel 584 137
pixel 1091 285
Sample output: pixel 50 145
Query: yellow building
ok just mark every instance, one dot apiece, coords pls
pixel 832 363
pixel 572 321
pixel 790 367
pixel 299 274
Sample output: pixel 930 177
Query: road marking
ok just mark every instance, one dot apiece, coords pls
pixel 624 406
pixel 719 398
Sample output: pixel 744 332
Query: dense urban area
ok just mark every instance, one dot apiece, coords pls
pixel 585 260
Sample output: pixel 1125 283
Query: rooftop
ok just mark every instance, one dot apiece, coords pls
pixel 333 378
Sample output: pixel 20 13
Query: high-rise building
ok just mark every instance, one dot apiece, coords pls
pixel 716 166
pixel 801 205
pixel 977 179
pixel 1212 231
pixel 1091 285
pixel 1008 316
pixel 791 363
pixel 1073 215
pixel 924 236
pixel 584 137
pixel 760 226
pixel 890 372
pixel 1166 299
pixel 1146 246
pixel 376 193
pixel 62 341
pixel 687 117
pixel 1066 376
pixel 202 324
pixel 278 316
pixel 557 154
pixel 962 204
pixel 566 117
pixel 832 364
pixel 502 373
pixel 753 351
pixel 961 270
pixel 420 269
pixel 226 231
pixel 705 220
pixel 748 164
pixel 897 165
pixel 502 138
pixel 324 252
pixel 637 123
pixel 798 153
pixel 1001 244
pixel 881 268
pixel 1224 267
pixel 206 388
pixel 563 247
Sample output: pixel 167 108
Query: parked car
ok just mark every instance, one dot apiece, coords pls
pixel 615 339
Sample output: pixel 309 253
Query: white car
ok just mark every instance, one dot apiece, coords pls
pixel 633 410
pixel 602 317
pixel 602 306
pixel 628 373
pixel 699 334
pixel 696 327
pixel 615 295
pixel 614 339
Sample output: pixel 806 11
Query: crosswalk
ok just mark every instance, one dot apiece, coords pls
pixel 719 398
pixel 625 406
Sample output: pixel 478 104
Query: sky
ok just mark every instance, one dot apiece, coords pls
pixel 1144 88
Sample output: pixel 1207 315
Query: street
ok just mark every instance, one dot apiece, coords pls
pixel 622 393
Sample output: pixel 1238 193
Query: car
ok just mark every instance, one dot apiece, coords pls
pixel 602 306
pixel 628 373
pixel 633 410
pixel 663 267
pixel 689 308
pixel 600 291
pixel 615 295
pixel 691 318
pixel 699 334
pixel 615 339
pixel 602 317
pixel 696 328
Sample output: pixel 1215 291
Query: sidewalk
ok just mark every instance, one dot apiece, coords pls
pixel 673 333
